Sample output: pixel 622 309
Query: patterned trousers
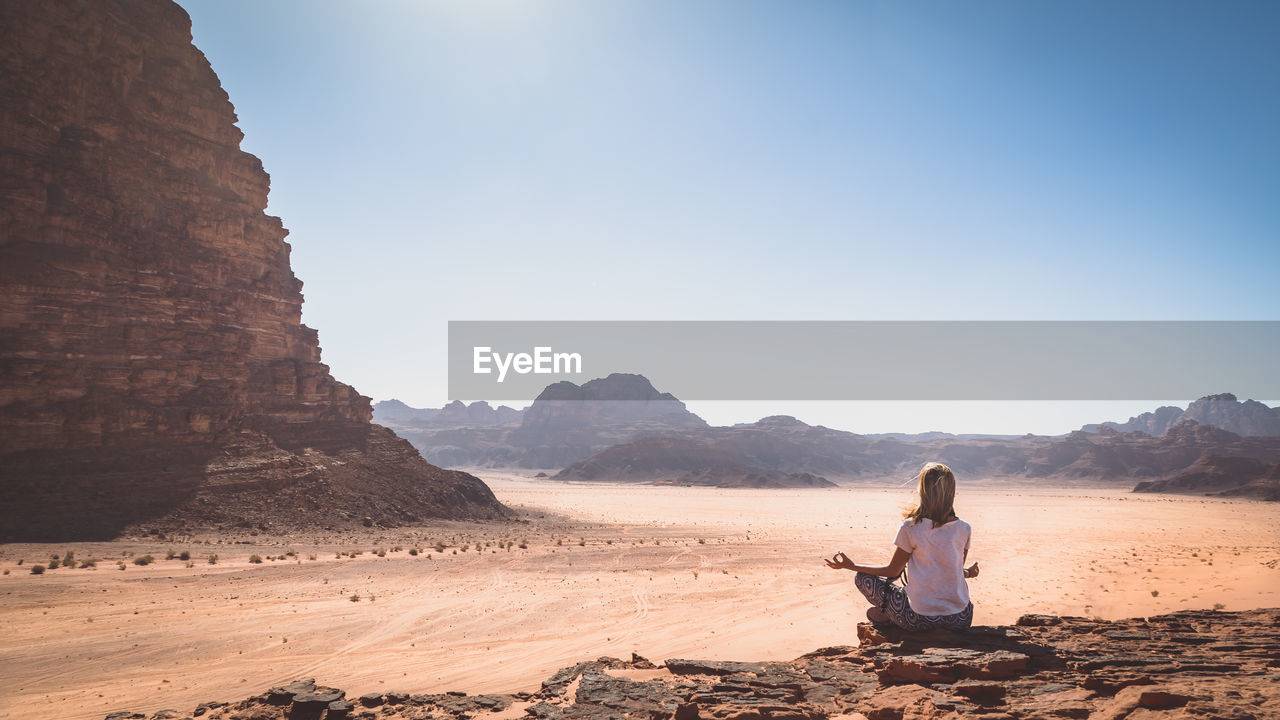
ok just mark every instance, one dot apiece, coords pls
pixel 893 600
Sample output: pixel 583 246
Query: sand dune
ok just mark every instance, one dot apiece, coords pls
pixel 608 570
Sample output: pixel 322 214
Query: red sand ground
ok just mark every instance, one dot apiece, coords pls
pixel 664 572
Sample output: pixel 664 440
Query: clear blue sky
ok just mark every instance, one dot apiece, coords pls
pixel 472 160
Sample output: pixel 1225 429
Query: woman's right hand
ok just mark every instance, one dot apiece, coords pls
pixel 840 561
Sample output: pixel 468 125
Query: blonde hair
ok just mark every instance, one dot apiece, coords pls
pixel 937 487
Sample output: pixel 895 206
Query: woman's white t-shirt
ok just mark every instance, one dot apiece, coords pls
pixel 935 572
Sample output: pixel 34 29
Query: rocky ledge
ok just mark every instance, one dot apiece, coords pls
pixel 1191 664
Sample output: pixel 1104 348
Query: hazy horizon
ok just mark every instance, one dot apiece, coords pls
pixel 915 417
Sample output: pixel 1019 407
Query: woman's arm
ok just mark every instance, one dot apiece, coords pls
pixel 842 562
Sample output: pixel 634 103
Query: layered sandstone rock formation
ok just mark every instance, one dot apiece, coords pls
pixel 153 362
pixel 1195 664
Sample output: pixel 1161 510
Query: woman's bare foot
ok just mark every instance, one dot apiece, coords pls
pixel 878 617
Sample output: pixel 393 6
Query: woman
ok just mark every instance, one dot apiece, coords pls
pixel 932 545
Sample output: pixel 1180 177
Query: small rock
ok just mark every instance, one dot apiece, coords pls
pixel 371 699
pixel 1039 620
pixel 1162 699
pixel 985 693
pixel 686 711
pixel 317 699
pixel 283 694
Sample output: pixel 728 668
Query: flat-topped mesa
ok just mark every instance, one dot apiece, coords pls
pixel 1192 664
pixel 150 325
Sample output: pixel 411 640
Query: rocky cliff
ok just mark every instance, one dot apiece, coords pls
pixel 1194 664
pixel 153 362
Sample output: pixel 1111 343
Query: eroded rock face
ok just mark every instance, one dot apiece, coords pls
pixel 150 325
pixel 1196 664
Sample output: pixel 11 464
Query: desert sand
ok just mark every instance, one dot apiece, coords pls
pixel 607 570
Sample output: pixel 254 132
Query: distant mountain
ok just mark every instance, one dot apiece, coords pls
pixel 1248 418
pixel 389 412
pixel 1222 475
pixel 565 423
pixel 394 413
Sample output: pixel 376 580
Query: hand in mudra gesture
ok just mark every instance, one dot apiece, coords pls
pixel 840 561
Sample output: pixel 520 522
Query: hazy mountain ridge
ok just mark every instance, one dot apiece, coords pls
pixel 393 413
pixel 784 445
pixel 1248 418
pixel 622 429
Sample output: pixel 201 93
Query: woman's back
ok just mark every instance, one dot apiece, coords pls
pixel 935 572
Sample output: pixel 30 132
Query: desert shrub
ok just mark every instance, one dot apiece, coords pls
pixel 382 553
pixel 396 549
pixel 255 559
pixel 143 560
pixel 438 546
pixel 170 555
pixel 88 564
pixel 21 560
pixel 291 553
pixel 37 569
pixel 355 597
pixel 69 558
pixel 524 544
pixel 6 571
pixel 184 555
pixel 413 551
pixel 120 565
pixel 311 557
pixel 582 543
pixel 54 564
pixel 213 559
